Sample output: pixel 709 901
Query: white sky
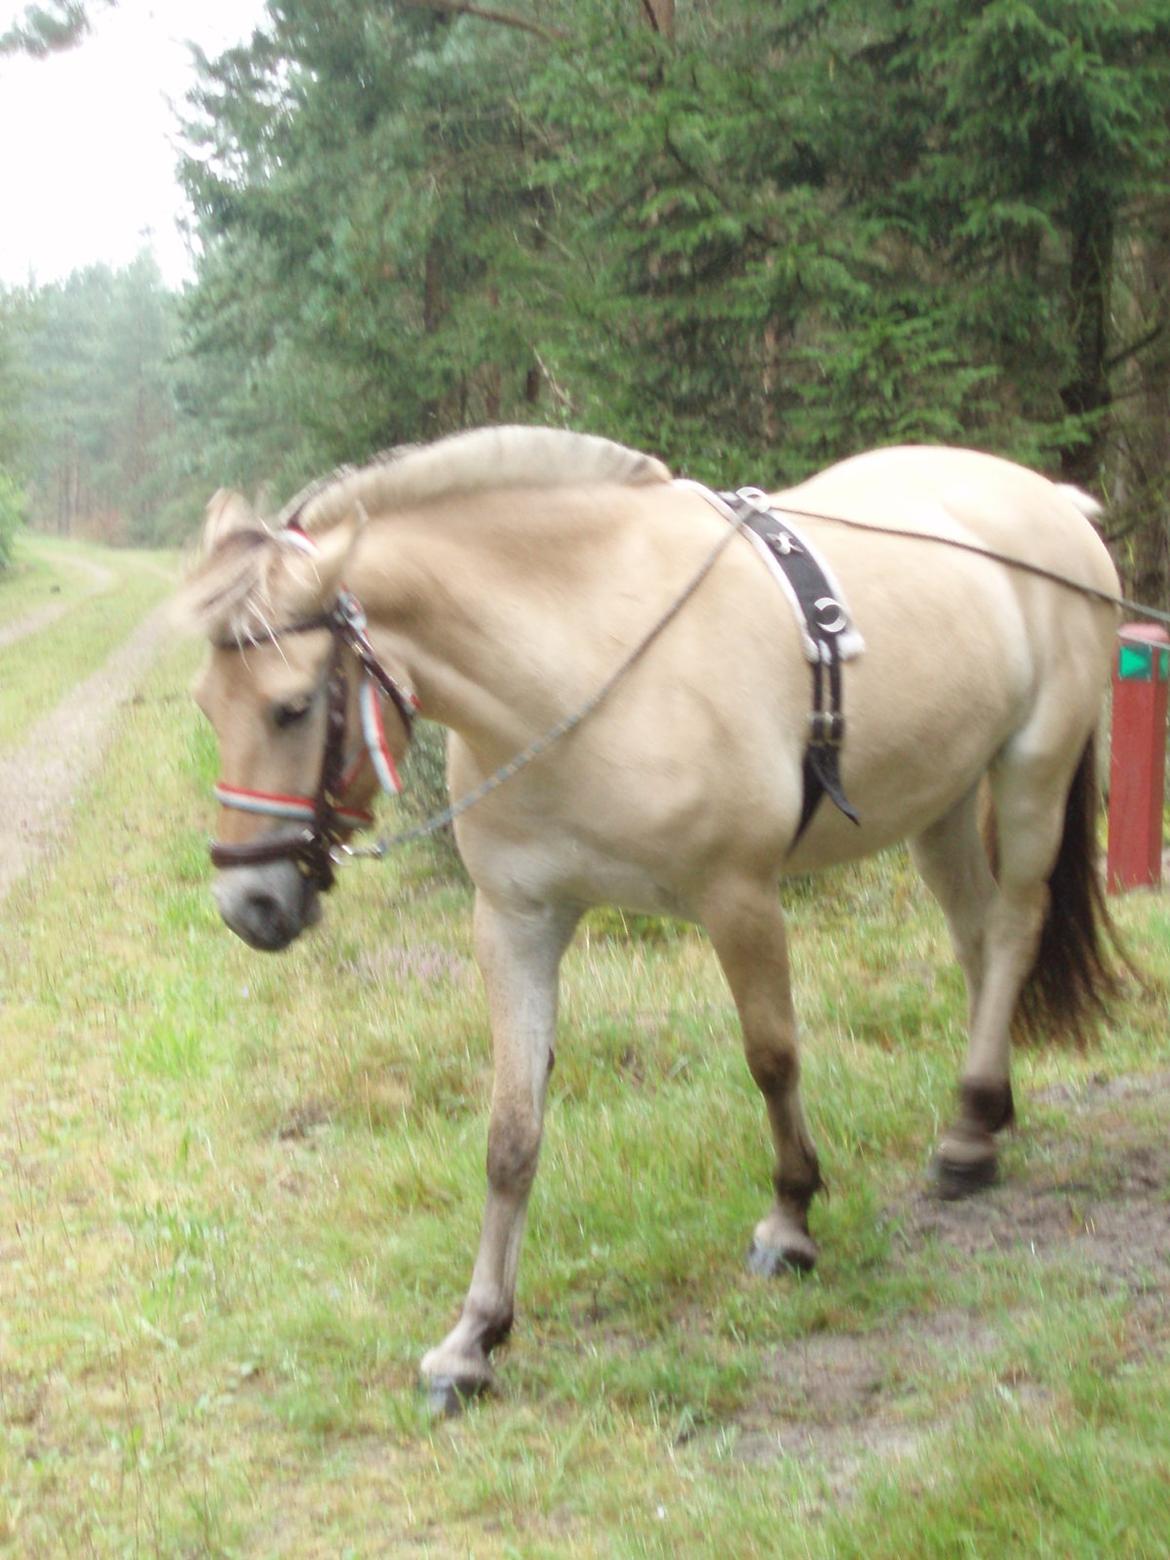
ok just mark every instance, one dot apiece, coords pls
pixel 88 139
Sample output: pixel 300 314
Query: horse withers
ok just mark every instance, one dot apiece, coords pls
pixel 498 579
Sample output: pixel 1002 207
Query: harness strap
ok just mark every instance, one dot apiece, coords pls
pixel 821 769
pixel 824 623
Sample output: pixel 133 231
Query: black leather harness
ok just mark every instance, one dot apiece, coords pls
pixel 824 621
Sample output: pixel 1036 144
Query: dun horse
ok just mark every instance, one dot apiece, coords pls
pixel 508 576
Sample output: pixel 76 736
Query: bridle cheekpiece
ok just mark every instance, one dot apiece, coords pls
pixel 327 819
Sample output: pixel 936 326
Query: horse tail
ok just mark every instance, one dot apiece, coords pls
pixel 1077 972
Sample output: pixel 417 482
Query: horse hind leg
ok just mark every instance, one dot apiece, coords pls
pixel 1040 951
pixel 746 927
pixel 954 863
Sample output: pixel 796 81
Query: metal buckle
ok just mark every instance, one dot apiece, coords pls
pixel 826 728
pixel 756 497
pixel 350 609
pixel 341 853
pixel 831 618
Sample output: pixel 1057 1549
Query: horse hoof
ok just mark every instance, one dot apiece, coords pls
pixel 954 1179
pixel 448 1396
pixel 775 1261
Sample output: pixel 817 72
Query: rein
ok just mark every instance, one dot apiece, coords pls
pixel 1139 608
pixel 736 522
pixel 321 846
pixel 379 848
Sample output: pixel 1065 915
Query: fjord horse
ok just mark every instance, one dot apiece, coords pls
pixel 504 574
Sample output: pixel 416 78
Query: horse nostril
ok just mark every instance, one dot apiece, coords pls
pixel 267 909
pixel 267 921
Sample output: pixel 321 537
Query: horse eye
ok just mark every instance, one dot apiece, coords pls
pixel 289 713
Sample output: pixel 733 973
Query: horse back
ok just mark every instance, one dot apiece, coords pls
pixel 697 757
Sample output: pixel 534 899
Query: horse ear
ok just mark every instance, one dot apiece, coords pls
pixel 223 568
pixel 315 567
pixel 227 511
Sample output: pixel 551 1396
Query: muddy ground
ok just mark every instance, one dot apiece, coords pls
pixel 1091 1207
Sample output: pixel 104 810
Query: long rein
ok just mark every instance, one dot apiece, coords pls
pixel 1140 609
pixel 319 847
pixel 381 847
pixel 339 850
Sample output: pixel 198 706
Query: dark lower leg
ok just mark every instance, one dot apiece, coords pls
pixel 744 920
pixel 986 1106
pixel 782 1239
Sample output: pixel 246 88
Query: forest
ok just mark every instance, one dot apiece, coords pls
pixel 750 237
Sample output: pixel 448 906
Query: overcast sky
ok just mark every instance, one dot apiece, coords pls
pixel 87 137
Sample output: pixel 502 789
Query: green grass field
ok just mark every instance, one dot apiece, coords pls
pixel 40 669
pixel 239 1197
pixel 43 572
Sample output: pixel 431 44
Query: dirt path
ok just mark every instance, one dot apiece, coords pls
pixel 1093 1203
pixel 40 779
pixel 33 622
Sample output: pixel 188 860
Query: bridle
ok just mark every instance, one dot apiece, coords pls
pixel 326 817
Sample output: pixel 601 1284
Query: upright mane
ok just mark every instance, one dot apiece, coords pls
pixel 229 591
pixel 481 460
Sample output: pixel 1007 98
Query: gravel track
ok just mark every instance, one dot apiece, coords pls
pixel 33 622
pixel 39 781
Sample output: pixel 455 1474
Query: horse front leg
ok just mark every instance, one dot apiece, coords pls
pixel 745 924
pixel 519 953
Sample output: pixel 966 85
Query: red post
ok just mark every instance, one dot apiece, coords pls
pixel 1137 765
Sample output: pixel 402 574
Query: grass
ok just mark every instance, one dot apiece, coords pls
pixel 40 669
pixel 48 571
pixel 240 1197
pixel 45 572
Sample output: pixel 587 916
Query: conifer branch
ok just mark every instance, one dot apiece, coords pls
pixel 484 14
pixel 46 29
pixel 1123 354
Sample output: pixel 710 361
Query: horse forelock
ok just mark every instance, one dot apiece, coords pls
pixel 482 460
pixel 228 594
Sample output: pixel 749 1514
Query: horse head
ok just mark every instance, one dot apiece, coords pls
pixel 293 689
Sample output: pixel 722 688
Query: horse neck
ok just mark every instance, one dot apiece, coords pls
pixel 491 604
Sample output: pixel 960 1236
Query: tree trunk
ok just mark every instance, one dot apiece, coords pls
pixel 1090 283
pixel 1143 479
pixel 493 393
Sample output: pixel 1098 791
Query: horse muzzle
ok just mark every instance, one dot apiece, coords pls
pixel 268 906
